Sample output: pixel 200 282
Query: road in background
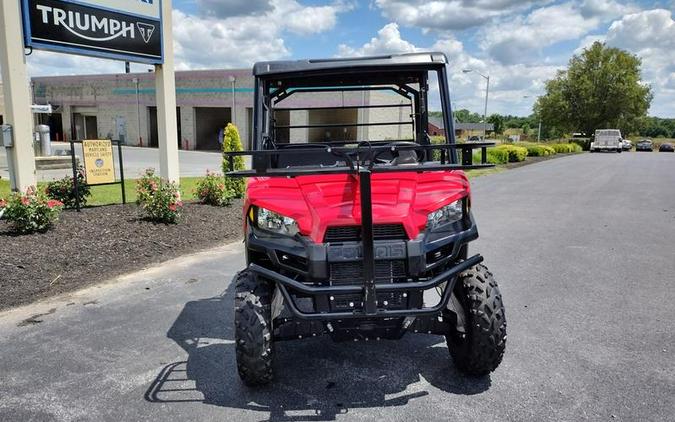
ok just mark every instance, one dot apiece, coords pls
pixel 136 160
pixel 583 248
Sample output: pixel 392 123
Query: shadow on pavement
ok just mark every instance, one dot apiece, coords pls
pixel 316 379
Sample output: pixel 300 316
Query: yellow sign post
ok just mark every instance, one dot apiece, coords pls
pixel 98 161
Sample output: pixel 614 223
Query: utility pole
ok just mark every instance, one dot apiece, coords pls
pixel 20 157
pixel 165 85
pixel 487 92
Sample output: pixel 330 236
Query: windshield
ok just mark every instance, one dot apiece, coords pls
pixel 349 109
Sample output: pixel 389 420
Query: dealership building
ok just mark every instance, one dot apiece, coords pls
pixel 123 106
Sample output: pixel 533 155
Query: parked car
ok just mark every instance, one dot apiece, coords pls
pixel 607 140
pixel 644 145
pixel 666 147
pixel 627 145
pixel 475 139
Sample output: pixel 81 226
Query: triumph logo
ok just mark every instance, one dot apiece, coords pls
pixel 146 30
pixel 93 28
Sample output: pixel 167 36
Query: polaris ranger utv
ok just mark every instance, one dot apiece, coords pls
pixel 356 225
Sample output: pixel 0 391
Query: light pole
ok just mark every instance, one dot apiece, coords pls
pixel 138 113
pixel 487 92
pixel 233 80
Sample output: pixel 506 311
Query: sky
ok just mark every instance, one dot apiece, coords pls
pixel 519 44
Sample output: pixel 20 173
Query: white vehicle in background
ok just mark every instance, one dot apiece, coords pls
pixel 607 140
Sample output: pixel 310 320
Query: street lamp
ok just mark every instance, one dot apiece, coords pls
pixel 487 91
pixel 233 80
pixel 138 111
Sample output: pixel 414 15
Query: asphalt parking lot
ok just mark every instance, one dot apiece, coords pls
pixel 583 248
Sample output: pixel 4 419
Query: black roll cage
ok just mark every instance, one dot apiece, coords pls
pixel 360 162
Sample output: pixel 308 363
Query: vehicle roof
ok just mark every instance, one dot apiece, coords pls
pixel 430 59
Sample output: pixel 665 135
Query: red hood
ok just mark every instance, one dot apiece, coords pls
pixel 317 202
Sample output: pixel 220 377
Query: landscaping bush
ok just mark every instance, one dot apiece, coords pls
pixel 538 150
pixel 494 156
pixel 515 154
pixel 211 190
pixel 64 190
pixel 231 143
pixel 159 199
pixel 30 212
pixel 565 148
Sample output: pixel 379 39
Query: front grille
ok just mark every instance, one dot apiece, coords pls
pixel 350 273
pixel 353 233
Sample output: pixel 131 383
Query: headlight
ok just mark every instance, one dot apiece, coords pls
pixel 274 222
pixel 448 214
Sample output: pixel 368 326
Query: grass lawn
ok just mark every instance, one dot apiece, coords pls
pixel 112 194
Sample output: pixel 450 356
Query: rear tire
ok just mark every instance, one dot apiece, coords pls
pixel 253 329
pixel 480 349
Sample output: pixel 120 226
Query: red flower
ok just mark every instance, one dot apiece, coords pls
pixel 54 203
pixel 25 200
pixel 172 207
pixel 3 203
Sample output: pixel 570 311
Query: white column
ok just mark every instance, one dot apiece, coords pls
pixel 165 83
pixel 20 158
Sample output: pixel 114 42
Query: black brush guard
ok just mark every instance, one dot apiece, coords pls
pixel 360 162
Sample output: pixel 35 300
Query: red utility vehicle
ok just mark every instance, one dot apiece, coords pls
pixel 357 225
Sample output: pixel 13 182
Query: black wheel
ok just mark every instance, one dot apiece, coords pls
pixel 253 329
pixel 480 349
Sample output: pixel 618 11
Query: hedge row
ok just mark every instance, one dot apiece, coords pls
pixel 508 153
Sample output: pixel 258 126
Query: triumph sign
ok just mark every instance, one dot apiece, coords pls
pixel 120 29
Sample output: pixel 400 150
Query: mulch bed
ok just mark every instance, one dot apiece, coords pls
pixel 103 242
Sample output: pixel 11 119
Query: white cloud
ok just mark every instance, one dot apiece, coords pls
pixel 509 83
pixel 651 35
pixel 450 15
pixel 387 41
pixel 520 39
pixel 606 9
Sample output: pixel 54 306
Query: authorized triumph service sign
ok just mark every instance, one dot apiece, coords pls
pixel 119 29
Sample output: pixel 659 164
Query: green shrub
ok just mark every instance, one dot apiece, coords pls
pixel 211 190
pixel 159 199
pixel 31 212
pixel 494 156
pixel 566 148
pixel 538 150
pixel 64 190
pixel 515 153
pixel 232 143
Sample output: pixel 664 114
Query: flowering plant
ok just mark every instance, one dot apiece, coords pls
pixel 211 190
pixel 64 190
pixel 159 199
pixel 30 212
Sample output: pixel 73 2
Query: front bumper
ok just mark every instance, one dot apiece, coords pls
pixel 302 271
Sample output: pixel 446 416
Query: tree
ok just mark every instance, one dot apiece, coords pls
pixel 526 129
pixel 465 116
pixel 232 142
pixel 497 122
pixel 601 88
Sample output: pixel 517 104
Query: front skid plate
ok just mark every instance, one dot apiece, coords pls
pixel 360 329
